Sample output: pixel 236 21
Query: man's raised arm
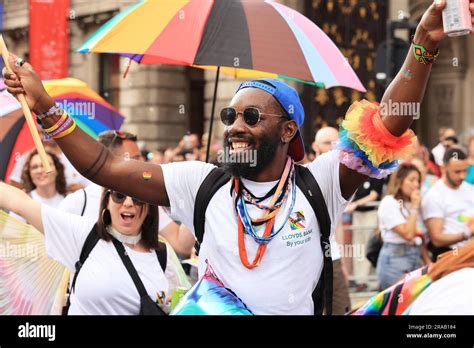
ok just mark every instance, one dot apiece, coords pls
pixel 399 105
pixel 134 178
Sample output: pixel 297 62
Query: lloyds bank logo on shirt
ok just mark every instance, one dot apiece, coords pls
pixel 297 220
pixel 297 235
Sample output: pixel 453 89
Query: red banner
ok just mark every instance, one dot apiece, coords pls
pixel 49 38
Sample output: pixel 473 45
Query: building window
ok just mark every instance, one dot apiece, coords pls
pixel 109 75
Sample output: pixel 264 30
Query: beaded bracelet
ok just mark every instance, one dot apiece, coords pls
pixel 58 124
pixel 54 110
pixel 423 56
pixel 64 126
pixel 67 131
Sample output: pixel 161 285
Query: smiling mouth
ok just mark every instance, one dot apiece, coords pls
pixel 127 217
pixel 239 145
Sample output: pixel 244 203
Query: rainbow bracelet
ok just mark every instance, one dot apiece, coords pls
pixel 64 126
pixel 423 56
pixel 66 132
pixel 58 124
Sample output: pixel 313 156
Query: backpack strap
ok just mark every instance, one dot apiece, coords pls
pixel 322 294
pixel 85 202
pixel 89 244
pixel 213 182
pixel 134 274
pixel 161 253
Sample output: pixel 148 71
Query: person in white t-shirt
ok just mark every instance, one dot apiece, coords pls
pixel 399 223
pixel 103 286
pixel 45 188
pixel 451 295
pixel 86 202
pixel 439 150
pixel 262 237
pixel 264 117
pixel 74 180
pixel 448 204
pixel 324 141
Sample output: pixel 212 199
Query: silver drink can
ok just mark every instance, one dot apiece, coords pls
pixel 457 18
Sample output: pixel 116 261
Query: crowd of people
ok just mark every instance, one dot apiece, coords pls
pixel 417 211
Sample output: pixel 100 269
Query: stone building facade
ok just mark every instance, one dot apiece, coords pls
pixel 161 103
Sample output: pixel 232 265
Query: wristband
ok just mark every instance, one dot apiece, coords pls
pixel 54 110
pixel 66 132
pixel 423 56
pixel 58 124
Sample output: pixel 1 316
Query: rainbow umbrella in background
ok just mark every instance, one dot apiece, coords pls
pixel 90 111
pixel 247 39
pixel 13 127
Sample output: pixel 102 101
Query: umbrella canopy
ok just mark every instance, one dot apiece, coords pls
pixel 8 103
pixel 90 111
pixel 14 133
pixel 246 38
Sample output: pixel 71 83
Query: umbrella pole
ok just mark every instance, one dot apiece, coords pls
pixel 209 138
pixel 27 113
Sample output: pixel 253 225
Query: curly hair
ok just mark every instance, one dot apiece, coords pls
pixel 60 176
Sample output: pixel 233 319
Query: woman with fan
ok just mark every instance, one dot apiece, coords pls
pixel 126 234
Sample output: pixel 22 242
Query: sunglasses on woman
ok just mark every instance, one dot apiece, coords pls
pixel 251 115
pixel 119 198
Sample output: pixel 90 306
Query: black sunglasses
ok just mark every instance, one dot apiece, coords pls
pixel 251 115
pixel 123 136
pixel 119 198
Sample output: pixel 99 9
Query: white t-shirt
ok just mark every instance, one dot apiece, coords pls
pixel 335 247
pixel 71 174
pixel 448 204
pixel 292 263
pixel 74 203
pixel 438 153
pixel 390 215
pixel 450 295
pixel 52 202
pixel 103 286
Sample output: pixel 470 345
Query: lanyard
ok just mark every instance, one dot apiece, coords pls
pixel 269 216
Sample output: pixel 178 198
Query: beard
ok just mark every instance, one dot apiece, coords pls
pixel 264 156
pixel 453 182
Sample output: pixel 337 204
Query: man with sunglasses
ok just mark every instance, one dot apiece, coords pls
pixel 260 215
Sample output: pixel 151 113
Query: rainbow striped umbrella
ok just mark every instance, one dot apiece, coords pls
pixel 243 38
pixel 90 111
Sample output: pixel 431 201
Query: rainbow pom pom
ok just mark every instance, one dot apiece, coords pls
pixel 367 146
